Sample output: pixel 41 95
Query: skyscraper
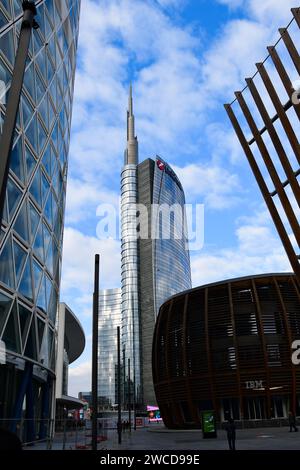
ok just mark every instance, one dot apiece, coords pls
pixel 32 227
pixel 129 254
pixel 164 262
pixel 155 256
pixel 109 319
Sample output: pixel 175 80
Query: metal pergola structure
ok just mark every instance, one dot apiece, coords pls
pixel 271 143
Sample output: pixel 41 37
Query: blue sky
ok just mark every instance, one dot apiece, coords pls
pixel 185 58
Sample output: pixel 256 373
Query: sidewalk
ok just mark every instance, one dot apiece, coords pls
pixel 160 438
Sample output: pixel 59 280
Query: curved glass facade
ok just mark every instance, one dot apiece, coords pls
pixel 171 258
pixel 32 229
pixel 129 273
pixel 155 264
pixel 109 319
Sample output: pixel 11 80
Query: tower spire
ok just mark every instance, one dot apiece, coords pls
pixel 130 103
pixel 131 154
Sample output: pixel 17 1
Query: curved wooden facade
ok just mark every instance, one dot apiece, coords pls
pixel 227 347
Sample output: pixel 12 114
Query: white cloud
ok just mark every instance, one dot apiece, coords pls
pixel 271 11
pixel 84 197
pixel 231 3
pixel 257 250
pixel 171 3
pixel 213 185
pixel 266 11
pixel 78 262
pixel 80 378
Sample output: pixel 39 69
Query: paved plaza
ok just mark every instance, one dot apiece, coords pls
pixel 157 437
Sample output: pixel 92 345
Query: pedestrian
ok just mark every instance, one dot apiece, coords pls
pixel 292 422
pixel 9 440
pixel 231 433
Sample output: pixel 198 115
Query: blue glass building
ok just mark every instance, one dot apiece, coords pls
pixel 32 228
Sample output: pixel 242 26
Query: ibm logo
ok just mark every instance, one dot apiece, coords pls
pixel 254 384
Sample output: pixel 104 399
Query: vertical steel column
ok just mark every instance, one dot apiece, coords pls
pixel 286 124
pixel 119 388
pixel 283 75
pixel 271 168
pixel 264 346
pixel 129 396
pixel 292 50
pixel 12 108
pixel 208 352
pixel 290 340
pixel 169 377
pixel 124 380
pixel 95 354
pixel 134 406
pixel 265 192
pixel 284 159
pixel 236 346
pixel 192 408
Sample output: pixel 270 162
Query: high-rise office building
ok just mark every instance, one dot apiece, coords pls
pixel 109 320
pixel 32 225
pixel 164 262
pixel 155 255
pixel 155 264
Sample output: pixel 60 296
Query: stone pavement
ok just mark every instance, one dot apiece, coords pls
pixel 157 437
pixel 247 439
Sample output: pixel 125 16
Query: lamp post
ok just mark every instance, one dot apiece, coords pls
pixel 134 405
pixel 95 355
pixel 129 396
pixel 12 108
pixel 119 387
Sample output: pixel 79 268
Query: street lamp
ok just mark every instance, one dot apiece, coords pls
pixel 6 141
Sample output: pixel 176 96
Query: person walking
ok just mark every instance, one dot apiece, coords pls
pixel 292 422
pixel 231 433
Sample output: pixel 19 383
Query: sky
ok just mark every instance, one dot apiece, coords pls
pixel 185 58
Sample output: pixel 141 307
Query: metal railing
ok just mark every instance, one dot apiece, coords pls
pixel 66 434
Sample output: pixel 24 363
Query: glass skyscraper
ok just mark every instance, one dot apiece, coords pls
pixel 154 265
pixel 164 261
pixel 32 227
pixel 109 320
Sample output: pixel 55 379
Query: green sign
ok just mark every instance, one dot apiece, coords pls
pixel 208 422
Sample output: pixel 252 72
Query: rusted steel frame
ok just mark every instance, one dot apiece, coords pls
pixel 296 284
pixel 264 346
pixel 285 183
pixel 264 190
pixel 192 408
pixel 290 339
pixel 284 76
pixel 275 139
pixel 175 408
pixel 290 47
pixel 275 118
pixel 296 14
pixel 236 346
pixel 208 352
pixel 270 167
pixel 279 108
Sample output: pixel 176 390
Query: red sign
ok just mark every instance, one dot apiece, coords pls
pixel 160 165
